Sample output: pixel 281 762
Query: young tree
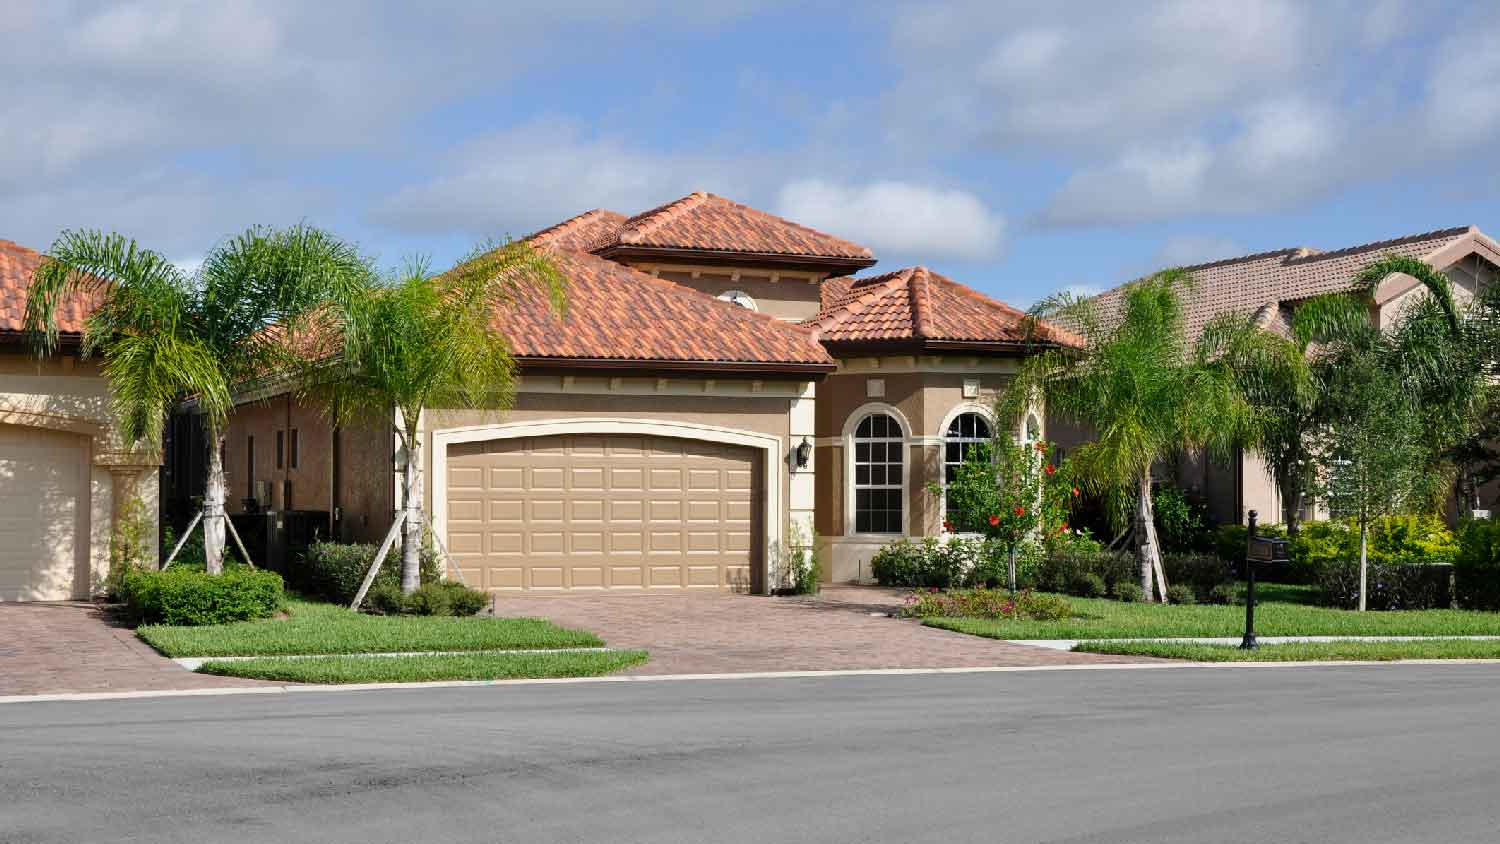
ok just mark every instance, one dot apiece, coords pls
pixel 416 341
pixel 166 334
pixel 1011 492
pixel 1146 394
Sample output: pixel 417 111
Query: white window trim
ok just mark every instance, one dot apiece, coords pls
pixel 852 423
pixel 957 411
pixel 769 444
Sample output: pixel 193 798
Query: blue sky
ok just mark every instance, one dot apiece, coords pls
pixel 1021 148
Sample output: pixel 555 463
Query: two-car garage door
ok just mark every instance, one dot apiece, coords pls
pixel 42 508
pixel 605 512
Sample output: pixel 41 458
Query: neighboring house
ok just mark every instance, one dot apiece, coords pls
pixel 65 476
pixel 1271 285
pixel 677 427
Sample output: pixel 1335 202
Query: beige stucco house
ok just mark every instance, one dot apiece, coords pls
pixel 1271 285
pixel 65 476
pixel 720 384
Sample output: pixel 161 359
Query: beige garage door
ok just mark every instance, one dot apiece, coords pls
pixel 41 486
pixel 605 512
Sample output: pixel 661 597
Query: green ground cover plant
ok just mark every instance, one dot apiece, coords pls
pixel 418 669
pixel 1303 651
pixel 313 628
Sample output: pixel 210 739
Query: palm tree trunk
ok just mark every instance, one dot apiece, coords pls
pixel 213 504
pixel 1364 563
pixel 1150 550
pixel 411 550
pixel 1291 506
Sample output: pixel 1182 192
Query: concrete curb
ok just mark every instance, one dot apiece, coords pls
pixel 1069 644
pixel 764 675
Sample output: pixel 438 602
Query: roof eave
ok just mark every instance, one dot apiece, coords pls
pixel 917 345
pixel 646 365
pixel 842 264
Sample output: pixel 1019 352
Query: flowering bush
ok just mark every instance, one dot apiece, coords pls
pixel 987 603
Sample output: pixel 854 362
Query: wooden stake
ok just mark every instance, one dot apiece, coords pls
pixel 390 538
pixel 229 523
pixel 183 541
pixel 447 558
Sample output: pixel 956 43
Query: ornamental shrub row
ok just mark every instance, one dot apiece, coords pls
pixel 1393 586
pixel 987 603
pixel 1476 566
pixel 443 598
pixel 188 597
pixel 333 571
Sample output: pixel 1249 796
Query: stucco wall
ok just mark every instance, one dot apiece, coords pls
pixel 790 298
pixel 62 393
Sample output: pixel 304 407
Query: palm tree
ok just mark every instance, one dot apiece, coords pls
pixel 1147 395
pixel 416 341
pixel 166 334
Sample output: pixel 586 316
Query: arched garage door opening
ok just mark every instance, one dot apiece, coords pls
pixel 616 512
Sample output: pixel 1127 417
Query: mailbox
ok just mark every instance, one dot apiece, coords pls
pixel 1267 550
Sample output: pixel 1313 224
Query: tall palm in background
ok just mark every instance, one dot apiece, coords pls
pixel 416 341
pixel 166 334
pixel 1146 394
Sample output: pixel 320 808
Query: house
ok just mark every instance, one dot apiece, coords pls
pixel 67 477
pixel 722 382
pixel 1271 285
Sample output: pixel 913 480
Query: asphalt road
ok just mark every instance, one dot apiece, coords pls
pixel 1368 754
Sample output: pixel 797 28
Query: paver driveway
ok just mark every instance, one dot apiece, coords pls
pixel 71 647
pixel 843 628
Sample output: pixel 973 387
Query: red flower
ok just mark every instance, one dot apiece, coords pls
pixel 1064 528
pixel 994 520
pixel 947 525
pixel 1020 511
pixel 1051 469
pixel 1075 492
pixel 1041 446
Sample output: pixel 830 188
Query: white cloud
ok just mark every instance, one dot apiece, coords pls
pixel 516 181
pixel 1184 250
pixel 899 217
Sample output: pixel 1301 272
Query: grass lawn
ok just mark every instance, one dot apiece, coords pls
pixel 1280 611
pixel 417 669
pixel 1303 651
pixel 316 628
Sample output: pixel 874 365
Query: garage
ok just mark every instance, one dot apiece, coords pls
pixel 605 512
pixel 43 514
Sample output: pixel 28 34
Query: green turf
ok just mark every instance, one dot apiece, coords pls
pixel 315 628
pixel 1304 651
pixel 1105 619
pixel 418 669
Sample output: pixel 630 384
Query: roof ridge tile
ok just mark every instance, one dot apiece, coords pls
pixel 1455 231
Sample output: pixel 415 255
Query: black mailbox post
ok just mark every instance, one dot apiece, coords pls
pixel 1257 550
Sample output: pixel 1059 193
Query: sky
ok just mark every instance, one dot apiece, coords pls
pixel 1021 148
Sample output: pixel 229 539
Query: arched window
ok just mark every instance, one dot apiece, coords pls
pixel 1033 430
pixel 879 444
pixel 965 433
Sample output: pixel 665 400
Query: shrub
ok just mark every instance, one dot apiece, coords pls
pixel 929 563
pixel 899 564
pixel 430 599
pixel 129 548
pixel 442 598
pixel 1200 573
pixel 1180 594
pixel 334 571
pixel 987 603
pixel 385 599
pixel 1476 566
pixel 184 596
pixel 1058 570
pixel 1129 593
pixel 465 601
pixel 1181 522
pixel 1087 585
pixel 1227 593
pixel 1392 586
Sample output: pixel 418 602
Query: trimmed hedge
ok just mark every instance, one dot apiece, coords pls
pixel 1392 587
pixel 960 561
pixel 1476 566
pixel 333 571
pixel 445 598
pixel 1083 572
pixel 188 597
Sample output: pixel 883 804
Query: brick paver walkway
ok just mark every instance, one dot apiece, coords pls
pixel 843 628
pixel 72 647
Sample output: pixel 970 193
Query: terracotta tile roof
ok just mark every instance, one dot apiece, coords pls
pixel 1264 280
pixel 706 222
pixel 616 313
pixel 17 263
pixel 587 232
pixel 918 304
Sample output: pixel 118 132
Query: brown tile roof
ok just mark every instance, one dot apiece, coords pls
pixel 706 222
pixel 17 263
pixel 619 314
pixel 587 232
pixel 1252 282
pixel 918 304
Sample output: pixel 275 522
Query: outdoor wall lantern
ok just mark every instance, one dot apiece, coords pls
pixel 804 453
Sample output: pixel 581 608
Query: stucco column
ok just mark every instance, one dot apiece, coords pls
pixel 127 471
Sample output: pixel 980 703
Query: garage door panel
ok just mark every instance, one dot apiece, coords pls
pixel 604 512
pixel 42 499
